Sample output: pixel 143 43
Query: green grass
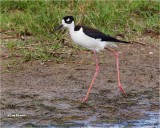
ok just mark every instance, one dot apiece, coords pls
pixel 129 18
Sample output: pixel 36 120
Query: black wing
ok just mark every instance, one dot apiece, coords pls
pixel 97 34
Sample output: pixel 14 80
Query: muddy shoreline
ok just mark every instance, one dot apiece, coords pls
pixel 50 93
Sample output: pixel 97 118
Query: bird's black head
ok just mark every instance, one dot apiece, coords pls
pixel 67 21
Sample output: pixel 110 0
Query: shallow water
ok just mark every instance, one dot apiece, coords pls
pixel 144 114
pixel 151 120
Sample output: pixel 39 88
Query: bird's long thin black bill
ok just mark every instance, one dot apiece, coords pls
pixel 58 27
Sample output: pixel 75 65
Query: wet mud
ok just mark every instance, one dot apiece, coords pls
pixel 50 94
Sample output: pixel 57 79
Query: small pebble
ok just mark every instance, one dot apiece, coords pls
pixel 150 53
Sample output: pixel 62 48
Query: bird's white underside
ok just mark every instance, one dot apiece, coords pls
pixel 80 38
pixel 83 40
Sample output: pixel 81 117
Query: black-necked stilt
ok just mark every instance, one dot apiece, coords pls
pixel 94 40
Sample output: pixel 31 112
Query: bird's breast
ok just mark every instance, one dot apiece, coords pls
pixel 83 40
pixel 80 38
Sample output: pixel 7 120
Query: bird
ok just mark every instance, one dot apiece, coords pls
pixel 94 40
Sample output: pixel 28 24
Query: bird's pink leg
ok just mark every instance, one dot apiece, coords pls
pixel 94 77
pixel 118 74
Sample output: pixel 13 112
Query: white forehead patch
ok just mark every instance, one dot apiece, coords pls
pixel 62 21
pixel 68 19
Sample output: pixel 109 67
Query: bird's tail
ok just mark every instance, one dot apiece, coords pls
pixel 126 42
pixel 121 41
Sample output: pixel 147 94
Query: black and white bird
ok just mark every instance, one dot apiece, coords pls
pixel 94 40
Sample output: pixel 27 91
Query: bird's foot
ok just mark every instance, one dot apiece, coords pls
pixel 83 100
pixel 123 92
